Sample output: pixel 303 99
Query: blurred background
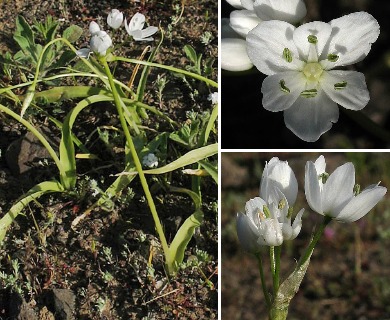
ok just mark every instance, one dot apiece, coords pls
pixel 246 124
pixel 349 273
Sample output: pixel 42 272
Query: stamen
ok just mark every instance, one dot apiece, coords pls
pixel 312 39
pixel 340 85
pixel 287 55
pixel 333 57
pixel 283 87
pixel 311 93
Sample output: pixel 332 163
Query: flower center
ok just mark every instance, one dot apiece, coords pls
pixel 312 71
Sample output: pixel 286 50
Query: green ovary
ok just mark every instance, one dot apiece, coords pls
pixel 312 71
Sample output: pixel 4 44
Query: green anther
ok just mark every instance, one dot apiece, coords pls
pixel 311 93
pixel 333 57
pixel 356 189
pixel 266 212
pixel 290 212
pixel 287 54
pixel 340 85
pixel 323 177
pixel 282 204
pixel 283 86
pixel 312 39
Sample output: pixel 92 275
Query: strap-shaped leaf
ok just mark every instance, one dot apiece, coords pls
pixel 34 193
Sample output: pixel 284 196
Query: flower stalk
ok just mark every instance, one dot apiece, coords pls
pixel 137 162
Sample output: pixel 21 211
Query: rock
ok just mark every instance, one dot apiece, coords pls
pixel 24 152
pixel 62 303
pixel 19 309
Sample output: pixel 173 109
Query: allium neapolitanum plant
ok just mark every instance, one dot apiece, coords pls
pixel 301 63
pixel 52 62
pixel 268 219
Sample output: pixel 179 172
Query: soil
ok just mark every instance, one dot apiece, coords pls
pixel 348 275
pixel 111 265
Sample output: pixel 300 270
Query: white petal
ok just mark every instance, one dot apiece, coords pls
pixel 312 188
pixel 309 118
pixel 354 96
pixel 297 225
pixel 319 29
pixel 320 165
pixel 360 205
pixel 247 4
pixel 274 98
pixel 272 233
pixel 253 208
pixel 279 174
pixel 351 38
pixel 149 31
pixel 338 189
pixel 235 3
pixel 83 53
pixel 265 46
pixel 137 22
pixel 243 21
pixel 234 56
pixel 285 10
pixel 248 238
pixel 93 28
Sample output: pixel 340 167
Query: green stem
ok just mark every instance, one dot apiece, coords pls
pixel 138 165
pixel 173 69
pixel 263 284
pixel 317 235
pixel 278 250
pixel 273 267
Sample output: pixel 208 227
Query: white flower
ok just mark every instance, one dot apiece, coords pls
pixel 134 28
pixel 93 28
pixel 254 229
pixel 335 197
pixel 299 63
pixel 213 97
pixel 150 160
pixel 280 175
pixel 83 53
pixel 115 19
pixel 233 48
pixel 100 42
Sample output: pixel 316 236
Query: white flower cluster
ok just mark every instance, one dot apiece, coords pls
pixel 267 219
pixel 299 61
pixel 101 41
pixel 150 160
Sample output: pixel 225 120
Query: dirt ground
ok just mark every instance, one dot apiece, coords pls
pixel 111 266
pixel 348 276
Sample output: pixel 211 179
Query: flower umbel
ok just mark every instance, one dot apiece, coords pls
pixel 335 195
pixel 299 63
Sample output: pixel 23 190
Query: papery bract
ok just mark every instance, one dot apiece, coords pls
pixel 299 63
pixel 335 197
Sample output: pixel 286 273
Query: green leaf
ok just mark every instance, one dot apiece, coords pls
pixel 185 160
pixel 72 33
pixel 211 169
pixel 191 54
pixel 34 193
pixel 24 30
pixel 23 43
pixel 182 238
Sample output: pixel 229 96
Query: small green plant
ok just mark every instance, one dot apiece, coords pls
pixel 42 52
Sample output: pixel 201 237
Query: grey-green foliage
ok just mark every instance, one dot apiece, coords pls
pixel 198 65
pixel 31 40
